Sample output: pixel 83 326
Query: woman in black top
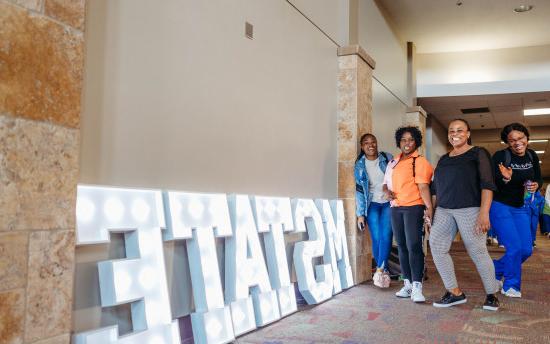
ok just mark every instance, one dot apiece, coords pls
pixel 517 170
pixel 462 190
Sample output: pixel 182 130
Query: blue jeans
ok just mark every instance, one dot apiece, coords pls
pixel 512 226
pixel 379 221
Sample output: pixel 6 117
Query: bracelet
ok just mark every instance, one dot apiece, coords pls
pixel 506 180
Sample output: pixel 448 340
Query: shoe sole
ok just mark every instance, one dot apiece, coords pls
pixel 447 305
pixel 419 301
pixel 512 296
pixel 490 308
pixel 403 297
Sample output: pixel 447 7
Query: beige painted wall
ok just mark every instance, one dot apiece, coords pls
pixel 331 16
pixel 387 116
pixel 176 97
pixel 513 70
pixel 436 140
pixel 382 43
pixel 389 88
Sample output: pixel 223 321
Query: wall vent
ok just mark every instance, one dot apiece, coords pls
pixel 475 110
pixel 248 30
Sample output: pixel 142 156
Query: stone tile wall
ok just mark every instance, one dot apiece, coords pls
pixel 41 63
pixel 354 119
pixel 416 116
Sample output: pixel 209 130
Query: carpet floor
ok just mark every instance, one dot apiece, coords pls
pixel 367 314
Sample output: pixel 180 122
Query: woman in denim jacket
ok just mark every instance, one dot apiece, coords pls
pixel 372 204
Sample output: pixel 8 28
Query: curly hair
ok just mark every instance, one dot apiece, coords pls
pixel 414 131
pixel 511 127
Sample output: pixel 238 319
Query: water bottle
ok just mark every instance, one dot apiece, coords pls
pixel 529 193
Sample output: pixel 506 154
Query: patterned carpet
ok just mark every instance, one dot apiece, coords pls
pixel 366 314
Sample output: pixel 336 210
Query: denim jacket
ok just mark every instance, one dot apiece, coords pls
pixel 362 195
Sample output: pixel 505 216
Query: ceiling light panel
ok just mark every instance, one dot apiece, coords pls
pixel 536 112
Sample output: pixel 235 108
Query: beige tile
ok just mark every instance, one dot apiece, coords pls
pixel 38 175
pixel 346 180
pixel 62 339
pixel 70 12
pixel 357 50
pixel 13 260
pixel 50 284
pixel 12 309
pixel 41 64
pixel 35 5
pixel 347 62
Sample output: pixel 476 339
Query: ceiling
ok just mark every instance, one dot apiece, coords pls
pixel 442 26
pixel 503 109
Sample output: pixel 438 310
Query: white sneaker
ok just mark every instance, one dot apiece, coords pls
pixel 406 290
pixel 511 292
pixel 377 279
pixel 416 293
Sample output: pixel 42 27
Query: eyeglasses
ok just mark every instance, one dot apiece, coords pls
pixel 523 138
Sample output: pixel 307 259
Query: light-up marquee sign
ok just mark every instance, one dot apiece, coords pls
pixel 257 290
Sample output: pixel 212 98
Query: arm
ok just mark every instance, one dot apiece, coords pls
pixel 483 224
pixel 426 198
pixel 537 181
pixel 360 201
pixel 487 186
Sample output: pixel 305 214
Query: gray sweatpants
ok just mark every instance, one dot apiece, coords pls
pixel 445 225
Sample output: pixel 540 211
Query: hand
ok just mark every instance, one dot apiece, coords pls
pixel 428 215
pixel 389 195
pixel 482 223
pixel 361 223
pixel 505 171
pixel 533 187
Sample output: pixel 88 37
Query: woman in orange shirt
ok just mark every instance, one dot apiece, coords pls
pixel 406 182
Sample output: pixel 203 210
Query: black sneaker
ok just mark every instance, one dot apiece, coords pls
pixel 449 300
pixel 491 303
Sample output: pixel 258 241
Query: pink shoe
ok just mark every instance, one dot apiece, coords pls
pixel 378 279
pixel 385 280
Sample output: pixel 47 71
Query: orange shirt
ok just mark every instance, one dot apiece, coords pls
pixel 404 186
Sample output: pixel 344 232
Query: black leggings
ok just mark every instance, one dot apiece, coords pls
pixel 407 225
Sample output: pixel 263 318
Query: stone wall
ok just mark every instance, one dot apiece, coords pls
pixel 41 62
pixel 355 68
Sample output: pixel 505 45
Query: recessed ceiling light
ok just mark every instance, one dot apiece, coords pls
pixel 523 8
pixel 539 152
pixel 535 112
pixel 536 141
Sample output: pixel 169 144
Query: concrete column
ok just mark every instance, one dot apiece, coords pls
pixel 354 119
pixel 416 116
pixel 41 68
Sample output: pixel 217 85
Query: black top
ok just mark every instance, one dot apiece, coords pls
pixel 523 168
pixel 458 180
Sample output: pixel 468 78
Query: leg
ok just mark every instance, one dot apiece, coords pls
pixel 398 228
pixel 373 221
pixel 413 220
pixel 385 235
pixel 476 247
pixel 521 221
pixel 509 265
pixel 545 224
pixel 441 237
pixel 534 223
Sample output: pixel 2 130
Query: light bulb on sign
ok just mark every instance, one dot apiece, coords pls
pixel 140 210
pixel 113 209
